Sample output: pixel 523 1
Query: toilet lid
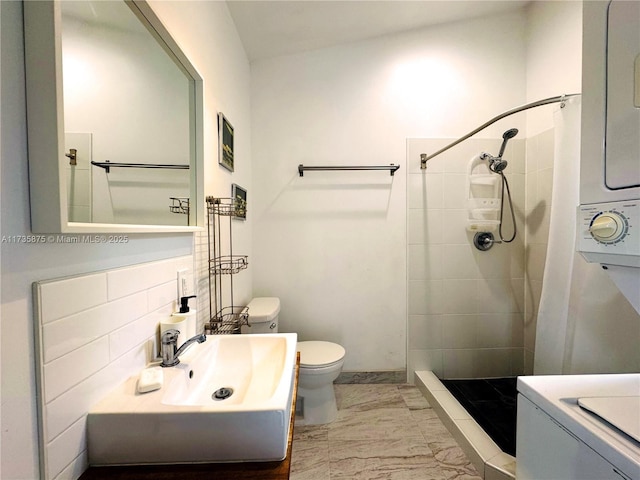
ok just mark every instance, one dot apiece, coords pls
pixel 317 353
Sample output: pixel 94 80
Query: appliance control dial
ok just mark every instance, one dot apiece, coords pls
pixel 609 233
pixel 609 227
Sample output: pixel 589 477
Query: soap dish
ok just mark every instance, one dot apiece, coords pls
pixel 150 379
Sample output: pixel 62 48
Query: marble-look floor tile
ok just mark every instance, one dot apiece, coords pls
pixel 394 376
pixel 403 458
pixel 453 461
pixel 431 426
pixel 381 424
pixel 311 432
pixel 310 454
pixel 413 397
pixel 382 432
pixel 368 397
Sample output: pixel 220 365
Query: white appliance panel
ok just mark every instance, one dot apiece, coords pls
pixel 621 412
pixel 622 141
pixel 610 152
pixel 557 439
pixel 557 453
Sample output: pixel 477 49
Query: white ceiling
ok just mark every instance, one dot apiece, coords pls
pixel 273 28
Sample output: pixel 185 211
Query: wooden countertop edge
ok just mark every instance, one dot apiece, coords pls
pixel 207 471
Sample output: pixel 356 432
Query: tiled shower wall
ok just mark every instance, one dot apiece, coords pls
pixel 466 307
pixel 94 331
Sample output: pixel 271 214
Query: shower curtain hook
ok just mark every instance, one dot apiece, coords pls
pixel 563 100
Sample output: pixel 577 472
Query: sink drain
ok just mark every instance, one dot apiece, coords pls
pixel 222 393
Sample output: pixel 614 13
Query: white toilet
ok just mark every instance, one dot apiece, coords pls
pixel 320 365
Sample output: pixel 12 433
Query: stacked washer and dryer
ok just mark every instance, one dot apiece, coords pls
pixel 320 364
pixel 588 426
pixel 609 214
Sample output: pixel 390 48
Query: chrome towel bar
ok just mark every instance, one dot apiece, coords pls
pixel 108 165
pixel 392 168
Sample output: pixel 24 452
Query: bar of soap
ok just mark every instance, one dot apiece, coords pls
pixel 150 379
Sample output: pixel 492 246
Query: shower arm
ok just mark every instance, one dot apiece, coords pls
pixel 559 99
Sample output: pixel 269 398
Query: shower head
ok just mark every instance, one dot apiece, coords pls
pixel 506 136
pixel 512 132
pixel 497 164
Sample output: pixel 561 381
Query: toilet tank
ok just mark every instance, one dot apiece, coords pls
pixel 263 315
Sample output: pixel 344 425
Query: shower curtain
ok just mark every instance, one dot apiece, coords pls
pixel 554 312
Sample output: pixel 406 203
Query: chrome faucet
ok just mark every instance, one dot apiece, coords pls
pixel 169 347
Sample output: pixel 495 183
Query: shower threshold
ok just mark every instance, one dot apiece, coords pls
pixel 490 461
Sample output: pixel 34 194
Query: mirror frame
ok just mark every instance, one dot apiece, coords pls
pixel 45 123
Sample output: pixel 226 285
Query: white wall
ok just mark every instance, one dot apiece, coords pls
pixel 332 245
pixel 206 33
pixel 553 56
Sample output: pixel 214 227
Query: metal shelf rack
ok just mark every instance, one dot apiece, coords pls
pixel 179 205
pixel 224 319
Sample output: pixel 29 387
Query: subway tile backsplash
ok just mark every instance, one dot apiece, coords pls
pixel 71 332
pixel 72 295
pixel 93 332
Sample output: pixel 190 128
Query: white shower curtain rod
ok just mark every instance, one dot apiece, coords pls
pixel 561 98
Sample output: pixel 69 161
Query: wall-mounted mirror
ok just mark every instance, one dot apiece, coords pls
pixel 114 120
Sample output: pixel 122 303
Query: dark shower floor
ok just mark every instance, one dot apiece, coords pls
pixel 492 404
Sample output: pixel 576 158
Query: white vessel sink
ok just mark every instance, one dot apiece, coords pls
pixel 183 423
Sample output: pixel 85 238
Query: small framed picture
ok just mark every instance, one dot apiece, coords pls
pixel 225 140
pixel 239 196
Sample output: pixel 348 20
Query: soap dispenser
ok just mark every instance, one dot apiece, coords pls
pixel 189 315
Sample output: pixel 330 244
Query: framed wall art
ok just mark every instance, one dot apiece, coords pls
pixel 239 196
pixel 225 140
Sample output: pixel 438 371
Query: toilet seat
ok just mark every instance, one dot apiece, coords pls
pixel 317 354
